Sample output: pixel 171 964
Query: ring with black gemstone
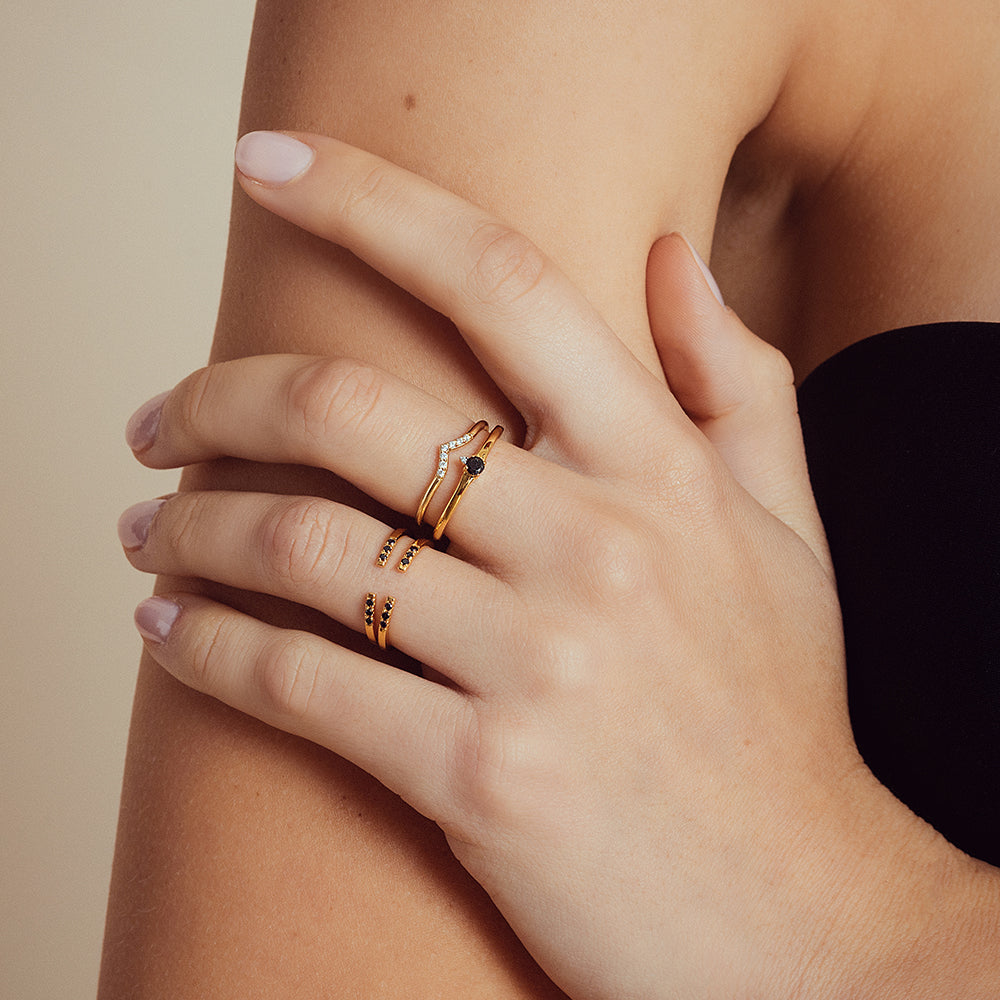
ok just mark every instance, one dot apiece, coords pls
pixel 444 454
pixel 370 600
pixel 390 544
pixel 383 622
pixel 411 553
pixel 475 465
pixel 378 632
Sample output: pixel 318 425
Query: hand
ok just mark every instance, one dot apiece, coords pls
pixel 633 725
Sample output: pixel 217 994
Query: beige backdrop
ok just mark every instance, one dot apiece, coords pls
pixel 118 122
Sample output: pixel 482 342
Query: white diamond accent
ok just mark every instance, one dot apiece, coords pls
pixel 444 452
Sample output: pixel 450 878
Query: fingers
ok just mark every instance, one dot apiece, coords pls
pixel 533 331
pixel 735 387
pixel 396 726
pixel 324 555
pixel 370 428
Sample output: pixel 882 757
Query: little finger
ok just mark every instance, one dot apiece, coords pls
pixel 394 725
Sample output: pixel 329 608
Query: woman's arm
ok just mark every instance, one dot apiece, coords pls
pixel 582 588
pixel 248 862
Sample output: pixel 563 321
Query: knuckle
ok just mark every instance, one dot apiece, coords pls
pixel 196 390
pixel 288 673
pixel 614 555
pixel 505 265
pixel 184 529
pixel 366 193
pixel 566 666
pixel 772 370
pixel 503 762
pixel 207 651
pixel 700 492
pixel 620 557
pixel 333 395
pixel 511 760
pixel 300 544
pixel 494 771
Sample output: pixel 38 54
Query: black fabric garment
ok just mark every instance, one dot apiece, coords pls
pixel 903 437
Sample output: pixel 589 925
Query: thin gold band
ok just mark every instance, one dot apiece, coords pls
pixel 370 600
pixel 383 622
pixel 474 467
pixel 411 553
pixel 444 453
pixel 390 544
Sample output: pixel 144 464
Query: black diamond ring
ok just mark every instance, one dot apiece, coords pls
pixel 475 465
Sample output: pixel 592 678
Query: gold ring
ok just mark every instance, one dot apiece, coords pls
pixel 411 553
pixel 444 453
pixel 383 622
pixel 390 544
pixel 370 600
pixel 474 467
pixel 378 633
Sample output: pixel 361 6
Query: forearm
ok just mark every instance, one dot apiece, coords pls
pixel 936 936
pixel 881 905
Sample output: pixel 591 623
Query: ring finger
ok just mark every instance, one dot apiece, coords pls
pixel 324 555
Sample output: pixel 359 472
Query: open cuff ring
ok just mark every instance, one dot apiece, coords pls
pixel 378 631
pixel 408 556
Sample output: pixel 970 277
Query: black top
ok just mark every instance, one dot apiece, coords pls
pixel 903 436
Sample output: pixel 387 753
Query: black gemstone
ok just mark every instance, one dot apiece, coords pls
pixel 474 465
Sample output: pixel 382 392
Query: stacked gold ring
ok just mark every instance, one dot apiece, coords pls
pixel 474 467
pixel 377 623
pixel 444 454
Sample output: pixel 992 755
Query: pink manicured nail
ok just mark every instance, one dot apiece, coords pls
pixel 709 277
pixel 155 617
pixel 140 432
pixel 272 158
pixel 133 525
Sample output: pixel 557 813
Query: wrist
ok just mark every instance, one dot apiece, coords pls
pixel 906 915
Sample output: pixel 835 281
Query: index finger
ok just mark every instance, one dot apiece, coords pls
pixel 533 331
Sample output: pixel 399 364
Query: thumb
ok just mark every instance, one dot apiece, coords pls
pixel 736 388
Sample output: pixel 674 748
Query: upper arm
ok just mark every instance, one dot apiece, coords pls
pixel 249 863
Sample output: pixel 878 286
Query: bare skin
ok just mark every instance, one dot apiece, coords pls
pixel 325 884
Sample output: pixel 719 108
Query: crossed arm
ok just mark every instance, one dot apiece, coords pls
pixel 693 599
pixel 253 863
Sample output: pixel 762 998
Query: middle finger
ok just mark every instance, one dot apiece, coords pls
pixel 377 432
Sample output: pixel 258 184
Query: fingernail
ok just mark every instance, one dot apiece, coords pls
pixel 140 431
pixel 133 525
pixel 272 158
pixel 155 617
pixel 709 277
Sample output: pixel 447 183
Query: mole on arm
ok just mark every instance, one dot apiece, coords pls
pixel 409 102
